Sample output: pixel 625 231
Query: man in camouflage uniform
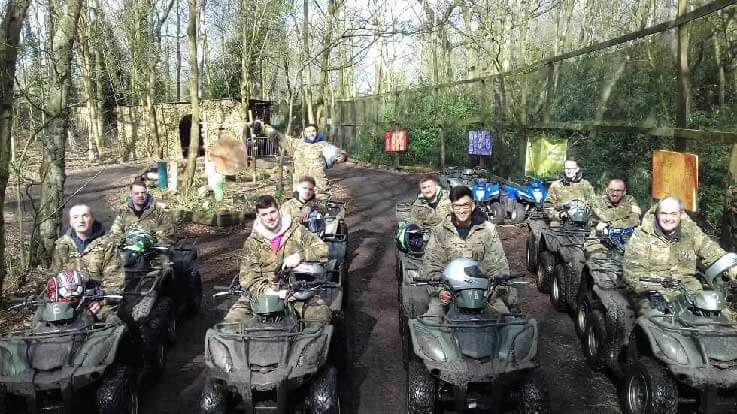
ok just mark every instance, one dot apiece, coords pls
pixel 614 210
pixel 276 240
pixel 432 205
pixel 141 211
pixel 465 233
pixel 667 244
pixel 304 201
pixel 569 187
pixel 85 248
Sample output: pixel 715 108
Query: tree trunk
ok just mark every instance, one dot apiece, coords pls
pixel 95 141
pixel 179 58
pixel 307 61
pixel 194 75
pixel 684 84
pixel 10 27
pixel 49 215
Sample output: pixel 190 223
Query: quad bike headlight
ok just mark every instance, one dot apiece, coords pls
pixel 220 356
pixel 672 349
pixel 522 344
pixel 430 347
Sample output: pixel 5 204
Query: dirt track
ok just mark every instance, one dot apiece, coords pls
pixel 373 379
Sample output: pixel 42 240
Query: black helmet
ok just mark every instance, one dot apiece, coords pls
pixel 409 239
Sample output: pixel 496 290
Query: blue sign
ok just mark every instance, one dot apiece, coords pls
pixel 479 142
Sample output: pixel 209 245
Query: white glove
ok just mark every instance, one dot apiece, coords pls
pixel 636 210
pixel 601 226
pixel 292 260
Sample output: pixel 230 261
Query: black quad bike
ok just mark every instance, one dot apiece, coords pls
pixel 161 283
pixel 68 362
pixel 604 312
pixel 413 296
pixel 560 255
pixel 274 362
pixel 473 357
pixel 333 230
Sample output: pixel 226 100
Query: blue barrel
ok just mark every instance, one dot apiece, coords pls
pixel 163 179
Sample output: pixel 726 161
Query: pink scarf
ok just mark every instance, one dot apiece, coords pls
pixel 276 243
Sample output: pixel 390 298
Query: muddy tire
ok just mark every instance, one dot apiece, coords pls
pixel 498 213
pixel 194 299
pixel 214 398
pixel 648 388
pixel 154 337
pixel 531 254
pixel 117 393
pixel 583 312
pixel 404 334
pixel 322 393
pixel 533 397
pixel 596 341
pixel 420 389
pixel 517 214
pixel 545 270
pixel 165 314
pixel 558 289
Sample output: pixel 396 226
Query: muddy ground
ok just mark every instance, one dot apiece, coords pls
pixel 372 378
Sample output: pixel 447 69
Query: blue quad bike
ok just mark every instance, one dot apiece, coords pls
pixel 508 201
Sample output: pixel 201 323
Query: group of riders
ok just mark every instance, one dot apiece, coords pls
pixel 665 242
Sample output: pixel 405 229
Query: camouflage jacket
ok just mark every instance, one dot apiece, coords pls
pixel 619 216
pixel 650 254
pixel 259 261
pixel 154 219
pixel 482 244
pixel 425 215
pixel 560 193
pixel 294 205
pixel 99 260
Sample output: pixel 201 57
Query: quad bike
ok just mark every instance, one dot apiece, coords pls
pixel 150 301
pixel 604 313
pixel 683 353
pixel 457 176
pixel 560 255
pixel 413 297
pixel 516 201
pixel 274 362
pixel 332 229
pixel 68 361
pixel 472 358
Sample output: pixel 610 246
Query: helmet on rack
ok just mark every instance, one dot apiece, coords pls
pixel 409 239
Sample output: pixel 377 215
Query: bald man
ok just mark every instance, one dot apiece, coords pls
pixel 615 209
pixel 85 247
pixel 668 244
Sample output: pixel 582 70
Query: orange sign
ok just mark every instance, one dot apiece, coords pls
pixel 396 140
pixel 676 174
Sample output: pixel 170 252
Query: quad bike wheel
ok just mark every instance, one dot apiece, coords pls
pixel 583 312
pixel 531 254
pixel 322 393
pixel 194 299
pixel 404 334
pixel 649 388
pixel 498 213
pixel 155 335
pixel 420 389
pixel 545 269
pixel 533 397
pixel 557 289
pixel 164 314
pixel 214 398
pixel 595 341
pixel 517 213
pixel 117 394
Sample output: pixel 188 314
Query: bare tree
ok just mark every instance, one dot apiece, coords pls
pixel 194 75
pixel 10 27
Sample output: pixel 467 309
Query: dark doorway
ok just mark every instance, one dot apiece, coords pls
pixel 185 125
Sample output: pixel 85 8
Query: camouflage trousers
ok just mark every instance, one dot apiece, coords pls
pixel 314 310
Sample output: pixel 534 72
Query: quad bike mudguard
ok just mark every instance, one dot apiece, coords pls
pixel 64 360
pixel 277 359
pixel 701 352
pixel 463 352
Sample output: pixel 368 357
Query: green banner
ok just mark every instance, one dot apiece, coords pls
pixel 545 157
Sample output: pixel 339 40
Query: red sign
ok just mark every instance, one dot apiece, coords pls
pixel 396 140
